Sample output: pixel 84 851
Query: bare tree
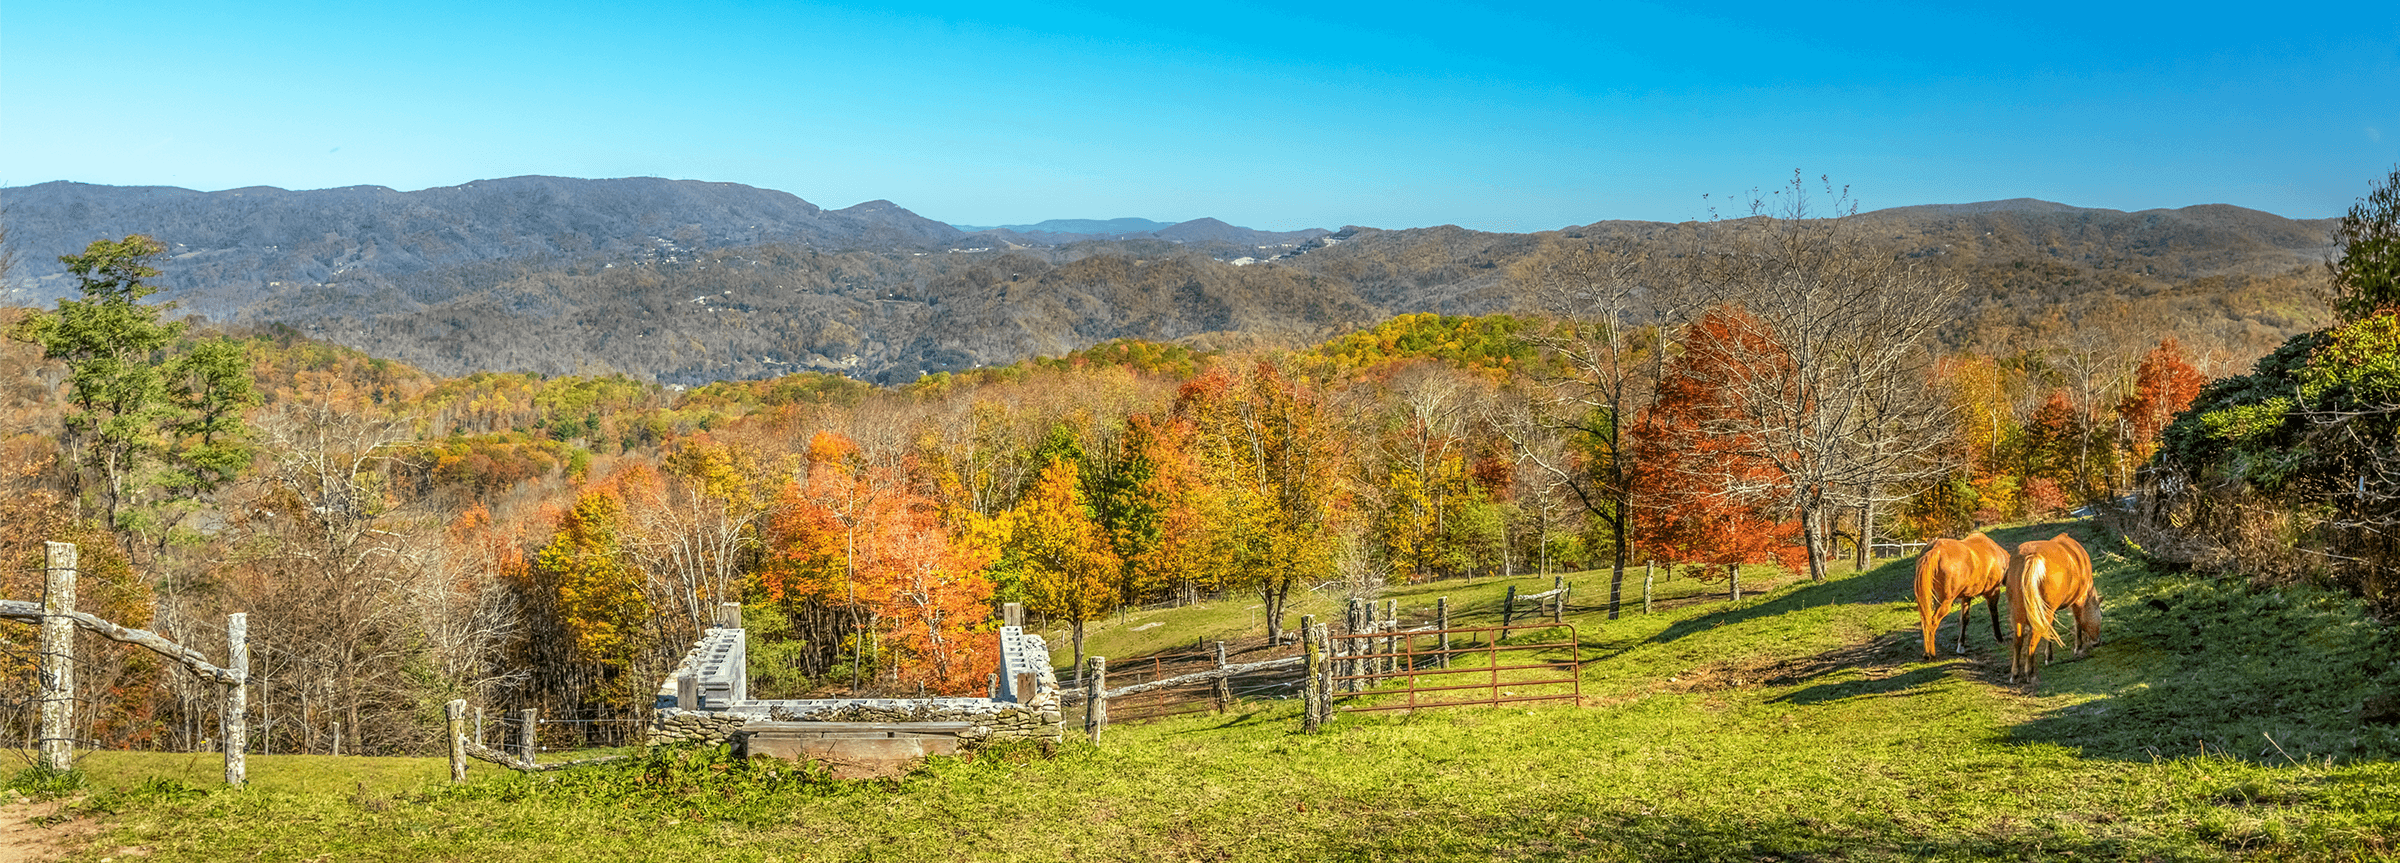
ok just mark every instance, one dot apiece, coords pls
pixel 1831 400
pixel 1596 291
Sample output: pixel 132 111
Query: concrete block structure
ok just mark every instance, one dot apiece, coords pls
pixel 707 700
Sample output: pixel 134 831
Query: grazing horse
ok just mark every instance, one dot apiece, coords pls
pixel 2049 574
pixel 1958 570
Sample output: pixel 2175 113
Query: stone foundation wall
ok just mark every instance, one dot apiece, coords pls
pixel 986 720
pixel 1034 715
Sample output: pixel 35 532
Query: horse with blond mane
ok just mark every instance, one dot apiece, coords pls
pixel 2047 575
pixel 1959 570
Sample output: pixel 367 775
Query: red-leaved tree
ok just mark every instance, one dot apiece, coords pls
pixel 1702 495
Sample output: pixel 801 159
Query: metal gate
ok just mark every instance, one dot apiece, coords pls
pixel 1425 668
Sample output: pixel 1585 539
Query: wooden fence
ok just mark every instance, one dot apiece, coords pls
pixel 58 619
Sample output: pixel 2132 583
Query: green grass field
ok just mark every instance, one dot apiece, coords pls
pixel 2216 722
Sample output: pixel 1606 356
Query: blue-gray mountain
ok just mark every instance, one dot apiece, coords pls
pixel 687 282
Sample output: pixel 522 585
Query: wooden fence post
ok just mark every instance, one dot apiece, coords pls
pixel 1391 644
pixel 1225 684
pixel 1441 621
pixel 1558 613
pixel 1508 611
pixel 337 732
pixel 457 712
pixel 1012 614
pixel 1646 588
pixel 1324 682
pixel 1312 673
pixel 1095 697
pixel 479 739
pixel 233 723
pixel 528 720
pixel 58 658
pixel 1735 570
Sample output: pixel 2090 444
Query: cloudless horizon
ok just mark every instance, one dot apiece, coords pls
pixel 1490 117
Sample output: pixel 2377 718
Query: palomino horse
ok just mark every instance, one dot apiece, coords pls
pixel 2049 574
pixel 1958 570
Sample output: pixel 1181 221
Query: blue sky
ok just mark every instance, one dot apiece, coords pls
pixel 1391 115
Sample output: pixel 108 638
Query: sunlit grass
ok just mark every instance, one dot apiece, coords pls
pixel 1800 724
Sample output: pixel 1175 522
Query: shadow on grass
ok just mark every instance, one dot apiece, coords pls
pixel 2192 664
pixel 1625 832
pixel 1874 586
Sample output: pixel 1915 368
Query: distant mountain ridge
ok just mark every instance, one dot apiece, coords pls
pixel 1089 227
pixel 231 247
pixel 687 282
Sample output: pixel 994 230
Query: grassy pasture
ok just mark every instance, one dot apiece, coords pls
pixel 2217 722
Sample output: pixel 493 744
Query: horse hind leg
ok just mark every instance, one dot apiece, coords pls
pixel 1966 609
pixel 1991 606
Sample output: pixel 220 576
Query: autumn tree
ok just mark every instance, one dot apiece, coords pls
pixel 1070 572
pixel 2163 385
pixel 1698 478
pixel 1268 443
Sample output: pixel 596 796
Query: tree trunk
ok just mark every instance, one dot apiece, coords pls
pixel 1616 577
pixel 1866 529
pixel 1078 654
pixel 1810 521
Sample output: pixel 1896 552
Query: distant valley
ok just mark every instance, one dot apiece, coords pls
pixel 687 282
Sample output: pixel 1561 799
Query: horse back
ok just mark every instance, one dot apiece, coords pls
pixel 1991 563
pixel 2066 572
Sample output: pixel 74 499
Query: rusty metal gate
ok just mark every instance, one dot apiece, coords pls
pixel 1422 668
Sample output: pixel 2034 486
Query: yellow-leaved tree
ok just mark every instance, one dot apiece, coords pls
pixel 1070 572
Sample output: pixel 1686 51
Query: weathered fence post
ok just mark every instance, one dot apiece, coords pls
pixel 528 720
pixel 1508 611
pixel 729 615
pixel 1646 588
pixel 457 711
pixel 1391 645
pixel 58 658
pixel 1558 613
pixel 1225 683
pixel 1441 621
pixel 1012 614
pixel 1095 697
pixel 1324 682
pixel 234 722
pixel 479 739
pixel 1312 673
pixel 1735 570
pixel 337 732
pixel 1357 648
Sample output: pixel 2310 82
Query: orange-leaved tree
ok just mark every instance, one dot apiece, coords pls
pixel 2163 385
pixel 860 560
pixel 1702 495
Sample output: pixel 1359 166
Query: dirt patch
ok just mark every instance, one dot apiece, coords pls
pixel 41 831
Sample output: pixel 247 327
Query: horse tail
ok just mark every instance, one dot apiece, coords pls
pixel 2036 609
pixel 1930 605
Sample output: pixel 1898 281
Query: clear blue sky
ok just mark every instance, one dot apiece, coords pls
pixel 1266 115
